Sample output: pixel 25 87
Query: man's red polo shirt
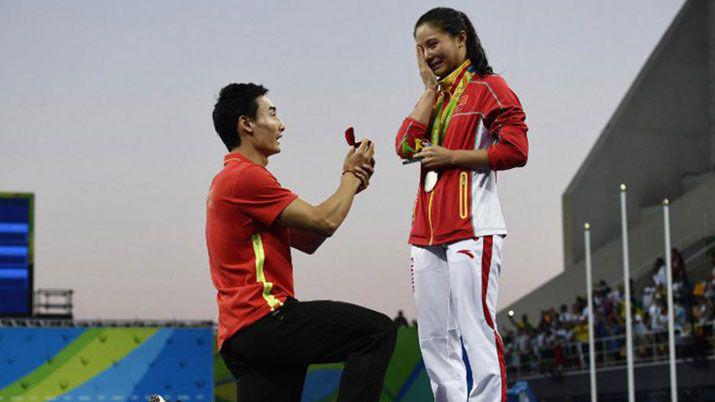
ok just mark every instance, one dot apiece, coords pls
pixel 249 251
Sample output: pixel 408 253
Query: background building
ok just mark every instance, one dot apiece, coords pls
pixel 661 143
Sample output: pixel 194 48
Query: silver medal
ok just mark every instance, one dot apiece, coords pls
pixel 430 181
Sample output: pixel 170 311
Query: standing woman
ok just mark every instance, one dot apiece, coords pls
pixel 467 125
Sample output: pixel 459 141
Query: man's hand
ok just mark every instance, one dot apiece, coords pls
pixel 360 162
pixel 310 225
pixel 363 173
pixel 435 157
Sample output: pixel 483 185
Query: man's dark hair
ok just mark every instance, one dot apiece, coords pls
pixel 453 22
pixel 235 100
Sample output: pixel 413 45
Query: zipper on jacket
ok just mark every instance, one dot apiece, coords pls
pixel 463 195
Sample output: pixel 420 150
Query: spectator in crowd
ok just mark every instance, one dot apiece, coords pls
pixel 560 340
pixel 680 318
pixel 523 324
pixel 658 274
pixel 400 320
pixel 677 264
pixel 564 315
pixel 640 332
pixel 648 294
pixel 709 291
pixel 511 355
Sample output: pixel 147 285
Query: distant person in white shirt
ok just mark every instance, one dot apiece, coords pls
pixel 659 276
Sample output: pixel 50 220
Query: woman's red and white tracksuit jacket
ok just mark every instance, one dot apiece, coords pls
pixel 457 234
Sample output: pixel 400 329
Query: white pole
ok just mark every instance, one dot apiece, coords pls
pixel 589 294
pixel 627 296
pixel 671 311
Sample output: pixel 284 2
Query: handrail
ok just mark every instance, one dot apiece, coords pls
pixel 642 267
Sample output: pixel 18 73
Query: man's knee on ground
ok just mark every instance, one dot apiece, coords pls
pixel 387 327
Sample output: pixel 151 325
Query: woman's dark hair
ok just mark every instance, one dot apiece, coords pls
pixel 234 101
pixel 453 22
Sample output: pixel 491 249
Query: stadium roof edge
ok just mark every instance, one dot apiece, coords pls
pixel 632 91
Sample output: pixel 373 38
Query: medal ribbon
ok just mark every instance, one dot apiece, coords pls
pixel 443 115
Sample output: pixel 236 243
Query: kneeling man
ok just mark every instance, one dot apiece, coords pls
pixel 266 337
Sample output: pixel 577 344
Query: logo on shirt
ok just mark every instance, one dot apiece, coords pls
pixel 462 101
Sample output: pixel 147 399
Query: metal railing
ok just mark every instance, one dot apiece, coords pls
pixel 563 357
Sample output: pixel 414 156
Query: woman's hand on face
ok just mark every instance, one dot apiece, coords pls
pixel 435 157
pixel 428 77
